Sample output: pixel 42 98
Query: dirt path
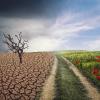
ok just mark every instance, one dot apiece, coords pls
pixel 49 88
pixel 92 91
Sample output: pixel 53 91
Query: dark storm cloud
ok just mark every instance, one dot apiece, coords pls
pixel 50 24
pixel 29 8
pixel 3 47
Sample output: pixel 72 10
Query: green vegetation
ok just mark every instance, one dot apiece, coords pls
pixel 86 62
pixel 68 86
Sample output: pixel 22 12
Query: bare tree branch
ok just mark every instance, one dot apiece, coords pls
pixel 16 47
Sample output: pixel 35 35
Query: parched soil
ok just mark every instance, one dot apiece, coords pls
pixel 24 81
pixel 93 93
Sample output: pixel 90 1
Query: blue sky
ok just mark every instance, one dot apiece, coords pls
pixel 62 25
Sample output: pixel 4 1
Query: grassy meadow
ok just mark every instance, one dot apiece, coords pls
pixel 88 62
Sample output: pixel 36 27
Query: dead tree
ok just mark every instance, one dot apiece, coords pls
pixel 16 46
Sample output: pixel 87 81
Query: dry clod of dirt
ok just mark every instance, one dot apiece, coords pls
pixel 23 81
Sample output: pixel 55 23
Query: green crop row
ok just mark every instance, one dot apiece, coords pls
pixel 85 62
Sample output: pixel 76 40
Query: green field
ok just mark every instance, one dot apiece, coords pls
pixel 68 86
pixel 85 61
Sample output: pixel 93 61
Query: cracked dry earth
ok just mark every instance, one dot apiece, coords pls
pixel 24 81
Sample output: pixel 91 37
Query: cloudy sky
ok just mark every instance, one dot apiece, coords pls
pixel 52 24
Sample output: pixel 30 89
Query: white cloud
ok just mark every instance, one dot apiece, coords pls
pixel 48 34
pixel 44 44
pixel 93 45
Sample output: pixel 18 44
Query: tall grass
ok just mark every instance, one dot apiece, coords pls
pixel 68 86
pixel 87 62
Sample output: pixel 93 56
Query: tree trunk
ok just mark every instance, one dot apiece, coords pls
pixel 20 57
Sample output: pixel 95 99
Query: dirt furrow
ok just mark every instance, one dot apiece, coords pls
pixel 49 88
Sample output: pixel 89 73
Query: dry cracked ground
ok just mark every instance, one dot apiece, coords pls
pixel 23 81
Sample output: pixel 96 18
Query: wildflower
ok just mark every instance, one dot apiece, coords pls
pixel 98 77
pixel 97 56
pixel 95 71
pixel 77 62
pixel 98 60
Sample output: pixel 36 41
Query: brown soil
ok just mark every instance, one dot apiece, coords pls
pixel 23 81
